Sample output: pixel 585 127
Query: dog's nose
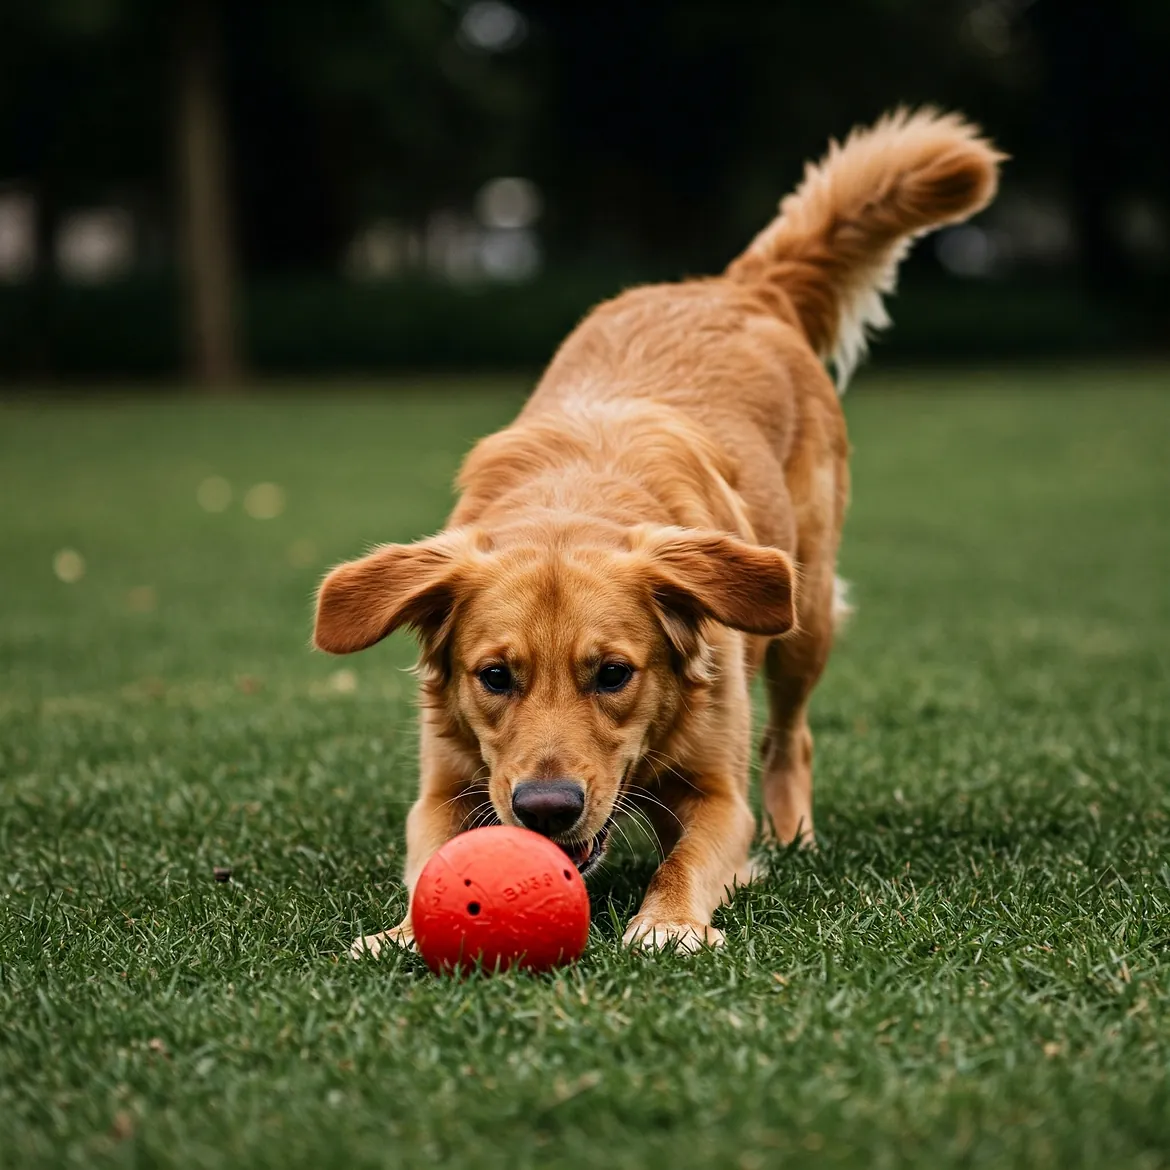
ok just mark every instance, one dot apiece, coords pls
pixel 548 806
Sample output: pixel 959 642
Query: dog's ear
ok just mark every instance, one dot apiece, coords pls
pixel 415 585
pixel 696 575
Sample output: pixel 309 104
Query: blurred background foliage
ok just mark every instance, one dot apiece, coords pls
pixel 225 189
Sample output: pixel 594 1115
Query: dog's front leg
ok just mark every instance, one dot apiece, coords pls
pixel 445 807
pixel 714 834
pixel 431 823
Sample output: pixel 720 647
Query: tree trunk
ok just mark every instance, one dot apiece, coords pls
pixel 204 204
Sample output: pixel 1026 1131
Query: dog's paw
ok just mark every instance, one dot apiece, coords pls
pixel 684 937
pixel 372 944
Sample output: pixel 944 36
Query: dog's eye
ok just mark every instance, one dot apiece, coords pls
pixel 613 676
pixel 497 679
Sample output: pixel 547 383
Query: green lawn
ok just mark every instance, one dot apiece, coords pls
pixel 973 970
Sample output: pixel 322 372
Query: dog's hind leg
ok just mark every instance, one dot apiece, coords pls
pixel 792 666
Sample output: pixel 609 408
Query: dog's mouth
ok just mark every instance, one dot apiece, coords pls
pixel 586 852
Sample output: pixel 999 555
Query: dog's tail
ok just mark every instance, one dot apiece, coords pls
pixel 836 244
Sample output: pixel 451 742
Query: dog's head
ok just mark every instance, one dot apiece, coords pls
pixel 560 659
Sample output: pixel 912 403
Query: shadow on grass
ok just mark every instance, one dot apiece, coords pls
pixel 948 846
pixel 928 845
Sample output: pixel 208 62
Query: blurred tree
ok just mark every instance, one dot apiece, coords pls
pixel 204 202
pixel 96 92
pixel 363 108
pixel 262 136
pixel 80 117
pixel 678 124
pixel 1106 99
pixel 267 131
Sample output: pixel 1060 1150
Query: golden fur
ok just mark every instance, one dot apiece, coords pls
pixel 670 500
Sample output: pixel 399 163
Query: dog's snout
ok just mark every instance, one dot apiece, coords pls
pixel 548 806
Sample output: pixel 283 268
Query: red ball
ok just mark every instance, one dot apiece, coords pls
pixel 503 897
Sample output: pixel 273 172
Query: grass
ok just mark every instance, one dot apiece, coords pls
pixel 972 971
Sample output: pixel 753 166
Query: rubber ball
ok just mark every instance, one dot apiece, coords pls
pixel 500 897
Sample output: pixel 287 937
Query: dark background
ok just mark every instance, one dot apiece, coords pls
pixel 339 153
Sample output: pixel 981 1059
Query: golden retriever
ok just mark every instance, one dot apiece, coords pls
pixel 660 523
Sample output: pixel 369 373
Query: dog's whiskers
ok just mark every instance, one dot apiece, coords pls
pixel 641 794
pixel 619 828
pixel 623 807
pixel 673 767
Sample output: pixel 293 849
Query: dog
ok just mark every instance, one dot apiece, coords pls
pixel 660 524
